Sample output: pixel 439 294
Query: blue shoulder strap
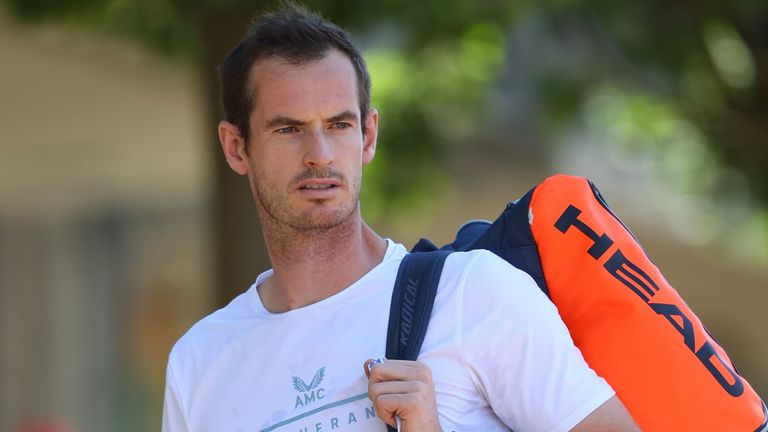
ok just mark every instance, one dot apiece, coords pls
pixel 412 299
pixel 509 237
pixel 411 306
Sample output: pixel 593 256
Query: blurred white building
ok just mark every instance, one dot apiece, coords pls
pixel 102 228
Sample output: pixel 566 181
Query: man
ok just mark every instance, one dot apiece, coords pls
pixel 291 352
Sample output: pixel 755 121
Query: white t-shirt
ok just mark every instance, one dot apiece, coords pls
pixel 500 356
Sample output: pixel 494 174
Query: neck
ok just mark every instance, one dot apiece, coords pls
pixel 312 265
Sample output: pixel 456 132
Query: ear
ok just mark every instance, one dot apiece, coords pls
pixel 370 136
pixel 233 144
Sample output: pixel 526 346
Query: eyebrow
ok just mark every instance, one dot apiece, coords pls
pixel 346 115
pixel 282 120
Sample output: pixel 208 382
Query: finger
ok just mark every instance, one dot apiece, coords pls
pixel 369 364
pixel 387 416
pixel 376 390
pixel 367 367
pixel 389 407
pixel 411 363
pixel 400 371
pixel 403 363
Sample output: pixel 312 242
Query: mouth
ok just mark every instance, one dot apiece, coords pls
pixel 318 188
pixel 318 184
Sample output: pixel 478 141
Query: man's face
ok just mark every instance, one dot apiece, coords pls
pixel 306 148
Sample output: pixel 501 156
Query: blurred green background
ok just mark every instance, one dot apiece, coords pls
pixel 120 224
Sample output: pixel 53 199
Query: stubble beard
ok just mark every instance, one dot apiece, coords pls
pixel 276 214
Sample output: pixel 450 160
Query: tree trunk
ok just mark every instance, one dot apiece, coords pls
pixel 238 248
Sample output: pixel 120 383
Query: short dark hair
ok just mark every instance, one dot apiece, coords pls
pixel 291 33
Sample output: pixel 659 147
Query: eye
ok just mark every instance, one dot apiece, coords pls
pixel 287 130
pixel 342 125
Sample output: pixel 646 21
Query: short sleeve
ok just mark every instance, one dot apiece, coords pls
pixel 520 353
pixel 173 414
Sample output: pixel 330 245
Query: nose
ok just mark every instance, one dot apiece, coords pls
pixel 318 152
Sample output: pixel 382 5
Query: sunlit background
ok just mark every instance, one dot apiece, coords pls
pixel 120 224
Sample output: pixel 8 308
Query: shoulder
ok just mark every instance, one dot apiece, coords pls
pixel 483 263
pixel 494 299
pixel 211 333
pixel 487 276
pixel 505 319
pixel 488 294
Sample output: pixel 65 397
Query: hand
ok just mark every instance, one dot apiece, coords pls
pixel 404 389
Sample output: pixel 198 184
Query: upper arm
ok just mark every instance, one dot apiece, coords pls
pixel 610 416
pixel 521 354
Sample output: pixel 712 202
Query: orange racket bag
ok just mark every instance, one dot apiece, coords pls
pixel 630 324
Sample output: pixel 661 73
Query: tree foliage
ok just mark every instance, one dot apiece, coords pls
pixel 682 86
pixel 710 57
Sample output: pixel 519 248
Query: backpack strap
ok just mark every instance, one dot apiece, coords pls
pixel 412 299
pixel 411 306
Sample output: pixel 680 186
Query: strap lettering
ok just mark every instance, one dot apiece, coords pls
pixel 406 315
